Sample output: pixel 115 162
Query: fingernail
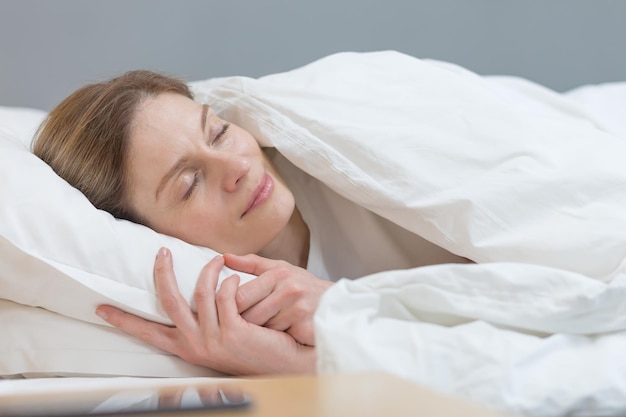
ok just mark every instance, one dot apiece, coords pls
pixel 217 258
pixel 163 252
pixel 101 314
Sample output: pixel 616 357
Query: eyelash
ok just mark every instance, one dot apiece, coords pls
pixel 196 176
pixel 222 132
pixel 194 184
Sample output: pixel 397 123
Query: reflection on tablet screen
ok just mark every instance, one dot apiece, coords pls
pixel 132 401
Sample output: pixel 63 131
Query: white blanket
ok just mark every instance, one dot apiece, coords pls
pixel 522 180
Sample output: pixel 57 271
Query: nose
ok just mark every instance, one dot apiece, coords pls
pixel 229 169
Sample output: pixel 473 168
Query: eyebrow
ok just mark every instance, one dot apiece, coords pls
pixel 181 162
pixel 205 111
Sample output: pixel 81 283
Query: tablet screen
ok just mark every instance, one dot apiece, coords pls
pixel 127 401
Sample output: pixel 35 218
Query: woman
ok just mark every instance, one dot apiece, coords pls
pixel 139 147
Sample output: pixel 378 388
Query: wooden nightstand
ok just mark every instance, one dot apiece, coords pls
pixel 343 395
pixel 347 395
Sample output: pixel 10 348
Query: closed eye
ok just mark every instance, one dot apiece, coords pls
pixel 192 187
pixel 222 133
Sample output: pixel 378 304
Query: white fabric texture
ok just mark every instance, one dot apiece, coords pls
pixel 60 253
pixel 605 102
pixel 523 180
pixel 39 343
pixel 342 233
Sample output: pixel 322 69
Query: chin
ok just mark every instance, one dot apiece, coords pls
pixel 274 231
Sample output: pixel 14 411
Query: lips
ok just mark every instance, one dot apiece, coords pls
pixel 261 194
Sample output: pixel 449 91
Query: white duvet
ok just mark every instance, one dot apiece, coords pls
pixel 528 183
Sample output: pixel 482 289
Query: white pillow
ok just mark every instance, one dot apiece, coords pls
pixel 59 252
pixel 39 343
pixel 21 122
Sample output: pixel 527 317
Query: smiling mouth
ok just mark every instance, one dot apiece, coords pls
pixel 261 194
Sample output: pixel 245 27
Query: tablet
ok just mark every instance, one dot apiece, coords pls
pixel 133 401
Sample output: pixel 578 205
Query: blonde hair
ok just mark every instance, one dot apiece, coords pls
pixel 85 138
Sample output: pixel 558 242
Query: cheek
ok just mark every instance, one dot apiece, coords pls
pixel 203 227
pixel 286 204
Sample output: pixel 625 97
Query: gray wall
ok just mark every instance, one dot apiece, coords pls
pixel 50 47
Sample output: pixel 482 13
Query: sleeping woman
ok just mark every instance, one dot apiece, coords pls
pixel 139 147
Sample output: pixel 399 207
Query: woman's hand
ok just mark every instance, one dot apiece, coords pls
pixel 283 297
pixel 217 336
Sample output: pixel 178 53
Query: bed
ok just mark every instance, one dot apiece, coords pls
pixel 526 182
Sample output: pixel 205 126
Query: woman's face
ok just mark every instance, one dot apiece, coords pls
pixel 196 177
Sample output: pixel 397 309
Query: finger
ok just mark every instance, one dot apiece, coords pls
pixel 275 313
pixel 204 294
pixel 155 334
pixel 263 311
pixel 303 332
pixel 251 264
pixel 172 302
pixel 253 292
pixel 225 302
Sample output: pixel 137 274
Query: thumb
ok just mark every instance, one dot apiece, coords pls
pixel 251 264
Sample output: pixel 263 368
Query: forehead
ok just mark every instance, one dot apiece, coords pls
pixel 163 127
pixel 166 118
pixel 165 111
